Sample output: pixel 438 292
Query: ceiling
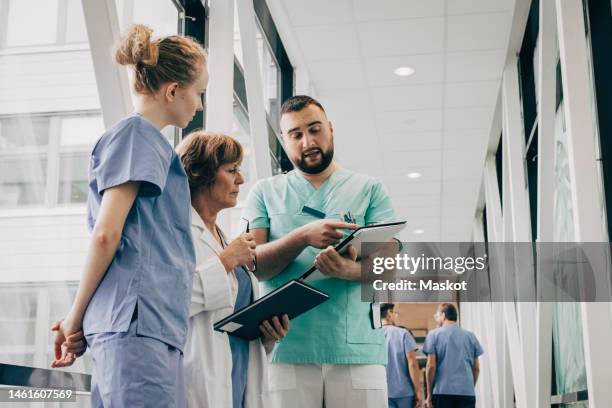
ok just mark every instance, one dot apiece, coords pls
pixel 435 122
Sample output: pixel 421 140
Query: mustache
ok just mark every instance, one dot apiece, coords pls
pixel 313 150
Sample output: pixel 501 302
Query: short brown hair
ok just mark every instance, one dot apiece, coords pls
pixel 449 310
pixel 168 59
pixel 298 102
pixel 202 153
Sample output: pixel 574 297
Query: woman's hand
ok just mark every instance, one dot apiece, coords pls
pixel 273 332
pixel 240 251
pixel 69 343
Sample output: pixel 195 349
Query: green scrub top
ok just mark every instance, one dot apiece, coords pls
pixel 338 331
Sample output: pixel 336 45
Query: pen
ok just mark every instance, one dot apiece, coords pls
pixel 254 257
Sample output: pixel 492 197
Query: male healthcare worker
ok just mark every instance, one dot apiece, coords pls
pixel 332 355
pixel 452 362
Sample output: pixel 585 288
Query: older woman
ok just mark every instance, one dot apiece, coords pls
pixel 221 370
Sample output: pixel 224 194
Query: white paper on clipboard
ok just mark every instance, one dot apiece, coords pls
pixel 371 233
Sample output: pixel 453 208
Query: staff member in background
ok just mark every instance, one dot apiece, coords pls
pixel 221 370
pixel 452 362
pixel 332 356
pixel 132 302
pixel 403 373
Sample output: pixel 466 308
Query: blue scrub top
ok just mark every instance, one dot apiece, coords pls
pixel 399 342
pixel 455 350
pixel 154 263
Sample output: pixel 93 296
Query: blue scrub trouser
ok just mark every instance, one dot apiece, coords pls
pixel 135 371
pixel 404 402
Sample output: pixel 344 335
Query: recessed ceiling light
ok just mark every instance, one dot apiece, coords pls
pixel 413 175
pixel 418 231
pixel 403 71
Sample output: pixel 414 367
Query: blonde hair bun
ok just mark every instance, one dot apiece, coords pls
pixel 136 47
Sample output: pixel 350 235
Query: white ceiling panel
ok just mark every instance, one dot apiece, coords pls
pixel 457 139
pixel 468 118
pixel 416 213
pixel 349 126
pixel 407 97
pixel 471 173
pixel 435 122
pixel 479 6
pixel 368 10
pixel 328 42
pixel 345 103
pixel 419 36
pixel 428 69
pixel 317 12
pixel 459 157
pixel 424 200
pixel 411 141
pixel 470 94
pixel 407 160
pixel 428 173
pixel 417 187
pixel 478 31
pixel 336 75
pixel 474 65
pixel 459 188
pixel 409 121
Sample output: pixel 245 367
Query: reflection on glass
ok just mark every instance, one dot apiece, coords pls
pixel 568 348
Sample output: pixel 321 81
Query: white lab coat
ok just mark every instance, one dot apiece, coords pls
pixel 207 357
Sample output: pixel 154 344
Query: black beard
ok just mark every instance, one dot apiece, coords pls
pixel 326 159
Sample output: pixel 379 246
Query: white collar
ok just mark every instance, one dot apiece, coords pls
pixel 205 234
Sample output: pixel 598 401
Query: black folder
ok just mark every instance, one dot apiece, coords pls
pixel 293 299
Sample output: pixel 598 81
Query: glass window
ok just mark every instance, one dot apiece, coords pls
pixel 45 140
pixel 81 130
pixel 18 132
pixel 23 181
pixel 162 17
pixel 270 79
pixel 73 178
pixel 76 32
pixel 237 39
pixel 30 24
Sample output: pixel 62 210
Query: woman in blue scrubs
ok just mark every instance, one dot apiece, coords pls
pixel 133 299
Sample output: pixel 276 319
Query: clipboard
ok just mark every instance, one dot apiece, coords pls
pixel 293 299
pixel 368 233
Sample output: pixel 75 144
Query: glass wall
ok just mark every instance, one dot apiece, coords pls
pixel 50 119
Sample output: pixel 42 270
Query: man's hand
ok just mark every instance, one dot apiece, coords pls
pixel 330 263
pixel 323 233
pixel 428 403
pixel 69 343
